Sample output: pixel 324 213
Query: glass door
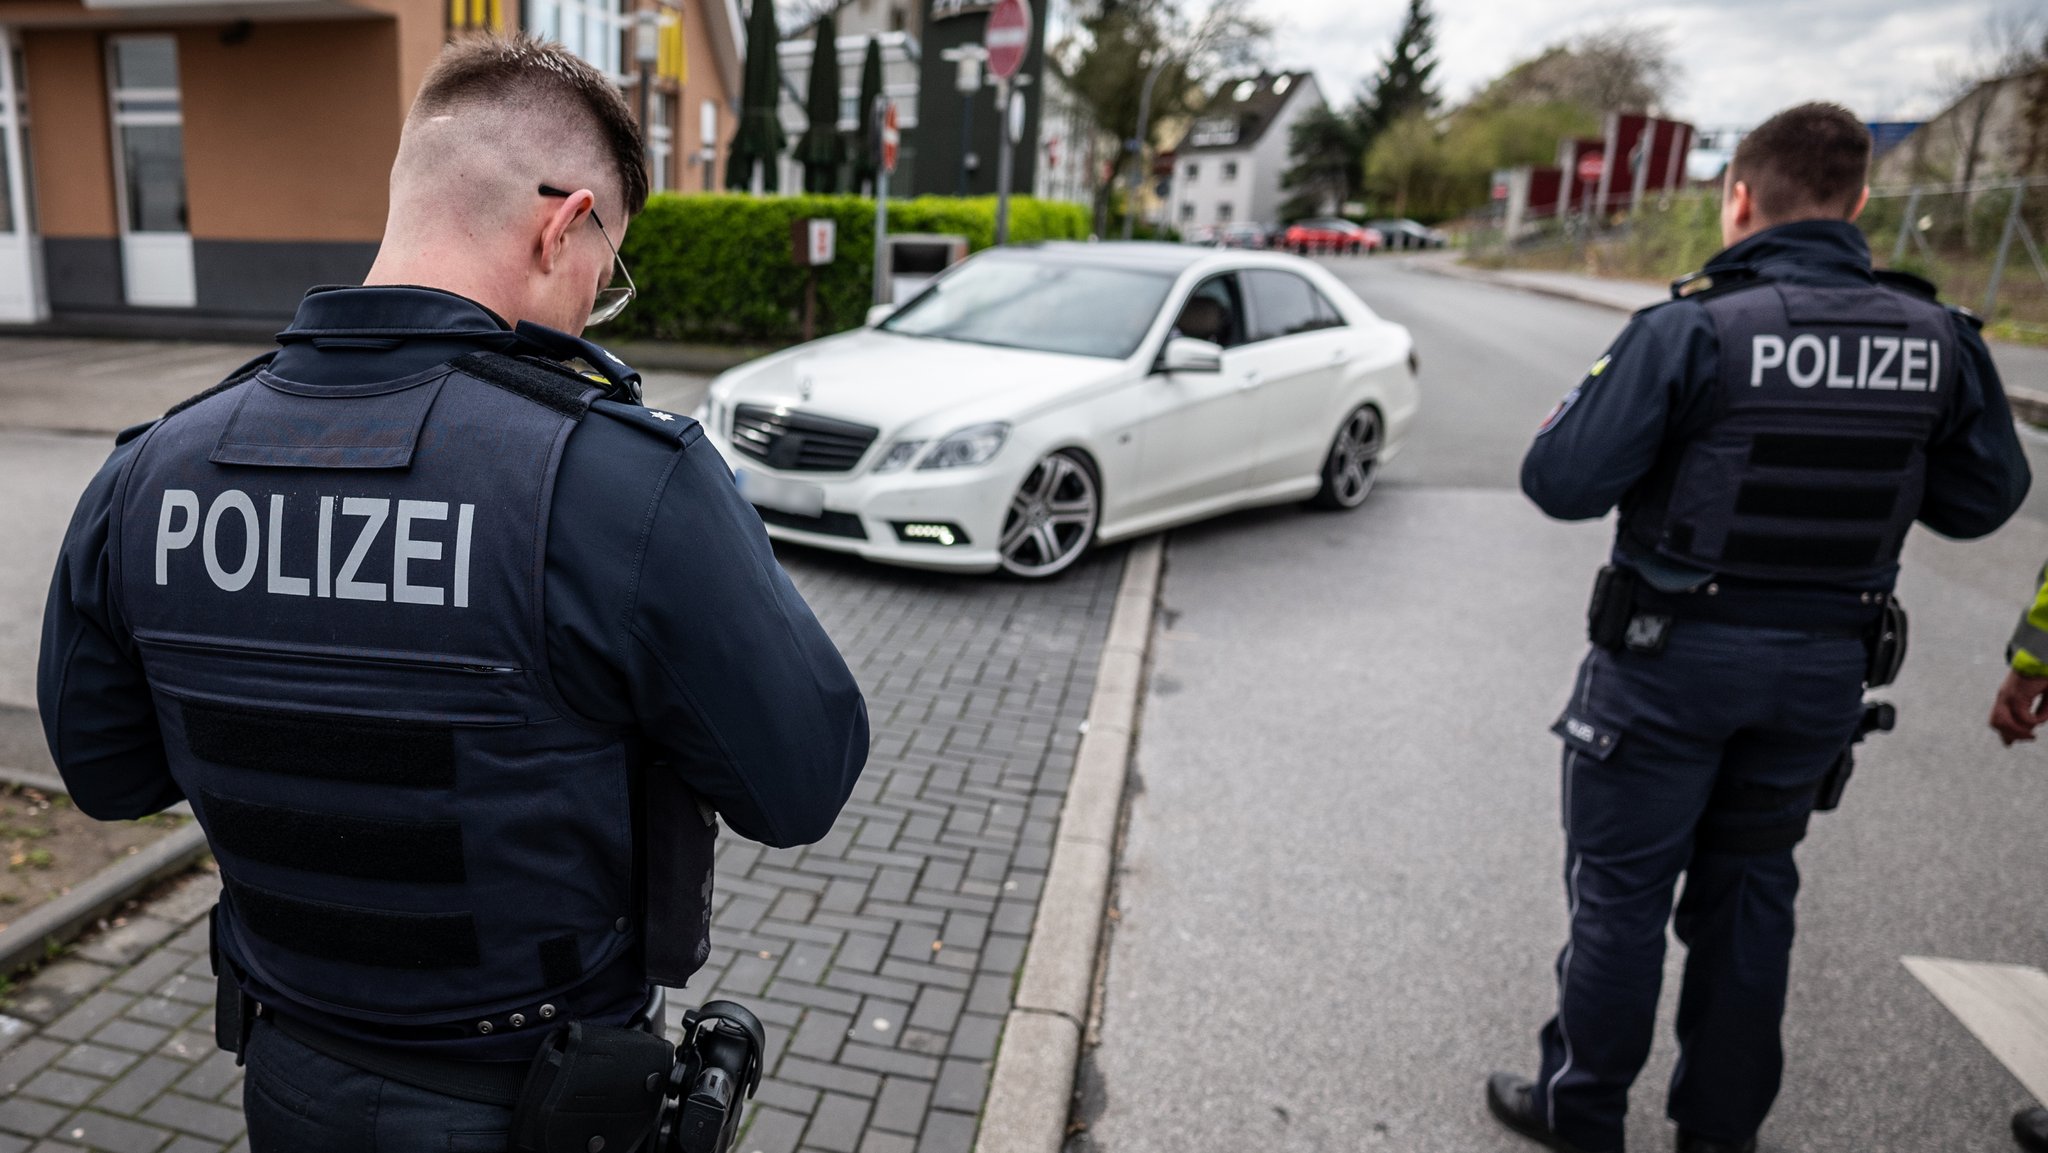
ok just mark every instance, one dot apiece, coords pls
pixel 149 172
pixel 21 281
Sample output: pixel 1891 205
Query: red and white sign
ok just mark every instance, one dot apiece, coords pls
pixel 1590 167
pixel 816 242
pixel 1009 37
pixel 891 138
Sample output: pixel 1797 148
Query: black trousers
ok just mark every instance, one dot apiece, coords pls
pixel 1647 740
pixel 301 1101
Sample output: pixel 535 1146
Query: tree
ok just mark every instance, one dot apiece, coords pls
pixel 758 139
pixel 1624 68
pixel 867 147
pixel 1325 148
pixel 1402 85
pixel 1116 43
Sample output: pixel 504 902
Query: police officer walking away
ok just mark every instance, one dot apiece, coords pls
pixel 1770 440
pixel 454 650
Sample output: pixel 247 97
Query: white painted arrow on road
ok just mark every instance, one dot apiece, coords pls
pixel 2006 1006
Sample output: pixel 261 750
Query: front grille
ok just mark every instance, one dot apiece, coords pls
pixel 799 441
pixel 843 524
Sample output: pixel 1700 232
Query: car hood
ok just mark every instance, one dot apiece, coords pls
pixel 894 382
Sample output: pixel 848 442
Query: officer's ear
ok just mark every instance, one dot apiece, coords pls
pixel 567 214
pixel 1862 202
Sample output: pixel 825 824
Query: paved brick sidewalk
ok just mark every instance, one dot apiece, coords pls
pixel 881 958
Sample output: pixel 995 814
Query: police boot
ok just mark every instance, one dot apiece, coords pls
pixel 1687 1143
pixel 2030 1129
pixel 1511 1099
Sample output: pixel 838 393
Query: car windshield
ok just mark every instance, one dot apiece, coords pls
pixel 1041 305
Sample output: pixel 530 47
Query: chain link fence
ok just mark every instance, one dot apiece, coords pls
pixel 1981 242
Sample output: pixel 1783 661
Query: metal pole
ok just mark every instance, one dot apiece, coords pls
pixel 1005 161
pixel 2012 221
pixel 1138 144
pixel 1906 225
pixel 879 118
pixel 966 138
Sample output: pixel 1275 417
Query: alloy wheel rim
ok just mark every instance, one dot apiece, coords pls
pixel 1355 457
pixel 1051 519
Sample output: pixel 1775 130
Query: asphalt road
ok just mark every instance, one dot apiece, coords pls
pixel 1339 900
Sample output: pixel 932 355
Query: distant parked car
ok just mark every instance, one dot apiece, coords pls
pixel 1243 235
pixel 1404 233
pixel 1208 236
pixel 1331 235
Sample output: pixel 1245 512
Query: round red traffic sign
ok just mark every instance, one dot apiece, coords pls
pixel 1009 37
pixel 1590 167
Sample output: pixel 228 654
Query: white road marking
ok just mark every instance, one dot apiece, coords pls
pixel 2006 1006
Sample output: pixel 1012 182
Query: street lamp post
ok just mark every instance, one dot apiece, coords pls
pixel 969 58
pixel 1138 141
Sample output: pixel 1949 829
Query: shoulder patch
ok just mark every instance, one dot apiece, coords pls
pixel 549 385
pixel 671 427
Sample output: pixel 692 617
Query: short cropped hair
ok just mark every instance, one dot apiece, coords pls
pixel 520 71
pixel 1812 160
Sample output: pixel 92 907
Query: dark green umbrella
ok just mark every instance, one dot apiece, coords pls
pixel 759 137
pixel 821 150
pixel 867 150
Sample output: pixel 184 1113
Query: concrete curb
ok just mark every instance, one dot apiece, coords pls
pixel 23 942
pixel 1033 1083
pixel 2030 405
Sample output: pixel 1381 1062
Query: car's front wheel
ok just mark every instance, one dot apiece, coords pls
pixel 1353 464
pixel 1052 519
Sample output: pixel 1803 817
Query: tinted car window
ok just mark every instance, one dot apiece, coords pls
pixel 1214 313
pixel 1284 304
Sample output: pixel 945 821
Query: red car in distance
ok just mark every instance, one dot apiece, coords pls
pixel 1330 235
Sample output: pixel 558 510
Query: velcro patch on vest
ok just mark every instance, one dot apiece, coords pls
pixel 556 388
pixel 560 963
pixel 1813 502
pixel 1794 551
pixel 1852 453
pixel 378 938
pixel 341 846
pixel 417 754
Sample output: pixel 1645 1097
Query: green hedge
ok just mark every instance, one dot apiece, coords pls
pixel 718 267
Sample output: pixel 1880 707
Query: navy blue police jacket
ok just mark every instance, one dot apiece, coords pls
pixel 670 637
pixel 1655 390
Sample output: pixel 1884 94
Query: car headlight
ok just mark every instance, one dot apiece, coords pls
pixel 970 446
pixel 900 454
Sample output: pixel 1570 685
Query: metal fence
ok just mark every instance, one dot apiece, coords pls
pixel 1981 242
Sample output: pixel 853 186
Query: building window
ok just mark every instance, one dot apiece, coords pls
pixel 1230 170
pixel 1193 171
pixel 149 118
pixel 1187 213
pixel 1224 211
pixel 707 142
pixel 661 143
pixel 592 29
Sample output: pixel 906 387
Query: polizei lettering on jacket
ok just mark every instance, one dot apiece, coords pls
pixel 1893 363
pixel 429 562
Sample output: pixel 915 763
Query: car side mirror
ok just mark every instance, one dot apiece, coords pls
pixel 1186 354
pixel 880 313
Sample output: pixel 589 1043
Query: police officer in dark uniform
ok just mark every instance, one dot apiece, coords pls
pixel 456 650
pixel 1770 438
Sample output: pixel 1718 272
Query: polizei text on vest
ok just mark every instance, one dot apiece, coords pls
pixel 237 535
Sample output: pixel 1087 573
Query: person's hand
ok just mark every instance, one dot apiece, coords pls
pixel 2020 707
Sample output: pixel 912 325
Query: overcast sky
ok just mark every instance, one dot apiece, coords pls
pixel 1740 60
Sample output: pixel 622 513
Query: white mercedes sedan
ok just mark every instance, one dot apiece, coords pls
pixel 1033 402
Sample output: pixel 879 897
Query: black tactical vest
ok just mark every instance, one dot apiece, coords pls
pixel 1813 464
pixel 337 595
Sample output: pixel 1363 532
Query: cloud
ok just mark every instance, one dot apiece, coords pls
pixel 1740 60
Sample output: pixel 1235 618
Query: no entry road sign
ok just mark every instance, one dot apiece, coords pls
pixel 1009 37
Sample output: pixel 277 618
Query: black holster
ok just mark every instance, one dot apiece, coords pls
pixel 1886 642
pixel 1614 600
pixel 592 1087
